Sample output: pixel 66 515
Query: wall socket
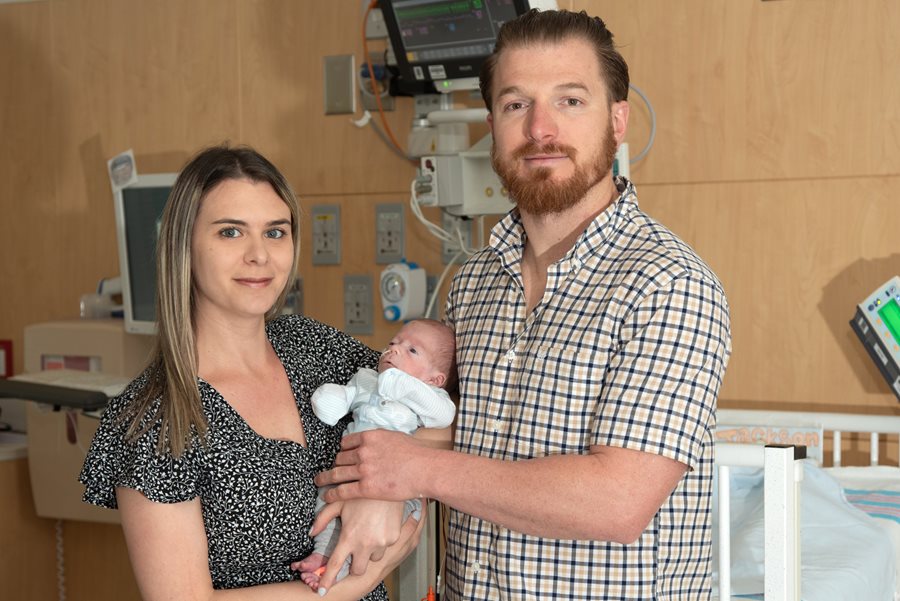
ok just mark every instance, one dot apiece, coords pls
pixel 389 239
pixel 358 301
pixel 367 91
pixel 449 249
pixel 326 234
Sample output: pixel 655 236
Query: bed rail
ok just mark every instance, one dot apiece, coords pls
pixel 836 423
pixel 783 473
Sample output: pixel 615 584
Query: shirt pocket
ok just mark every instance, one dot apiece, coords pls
pixel 559 393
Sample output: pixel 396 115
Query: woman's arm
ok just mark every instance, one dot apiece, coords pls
pixel 168 550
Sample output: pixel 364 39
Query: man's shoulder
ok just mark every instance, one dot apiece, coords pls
pixel 650 250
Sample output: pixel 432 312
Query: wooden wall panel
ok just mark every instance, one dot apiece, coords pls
pixel 776 156
pixel 793 257
pixel 749 90
pixel 27 543
pixel 283 44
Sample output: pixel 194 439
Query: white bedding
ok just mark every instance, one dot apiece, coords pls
pixel 846 555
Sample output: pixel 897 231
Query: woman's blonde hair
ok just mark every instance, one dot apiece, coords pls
pixel 173 368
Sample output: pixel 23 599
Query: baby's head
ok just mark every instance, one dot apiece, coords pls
pixel 425 349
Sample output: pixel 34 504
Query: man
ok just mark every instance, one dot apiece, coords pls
pixel 591 345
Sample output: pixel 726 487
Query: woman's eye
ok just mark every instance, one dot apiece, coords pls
pixel 276 233
pixel 229 232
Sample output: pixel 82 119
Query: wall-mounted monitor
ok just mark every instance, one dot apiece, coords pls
pixel 139 210
pixel 440 45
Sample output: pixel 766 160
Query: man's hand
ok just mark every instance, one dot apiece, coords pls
pixel 376 464
pixel 368 527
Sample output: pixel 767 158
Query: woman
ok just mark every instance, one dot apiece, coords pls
pixel 210 454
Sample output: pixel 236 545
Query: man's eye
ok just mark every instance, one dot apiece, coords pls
pixel 413 351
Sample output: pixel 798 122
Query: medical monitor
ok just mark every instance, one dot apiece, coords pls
pixel 139 210
pixel 440 45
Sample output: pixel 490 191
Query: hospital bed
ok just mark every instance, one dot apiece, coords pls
pixel 812 529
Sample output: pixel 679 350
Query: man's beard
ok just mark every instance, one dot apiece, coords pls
pixel 536 193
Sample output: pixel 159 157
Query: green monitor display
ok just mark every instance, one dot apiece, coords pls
pixel 890 315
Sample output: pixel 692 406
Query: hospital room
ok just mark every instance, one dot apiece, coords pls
pixel 762 139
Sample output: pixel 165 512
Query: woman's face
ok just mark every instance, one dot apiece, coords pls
pixel 241 250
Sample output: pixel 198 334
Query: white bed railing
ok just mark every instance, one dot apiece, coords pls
pixel 782 476
pixel 836 423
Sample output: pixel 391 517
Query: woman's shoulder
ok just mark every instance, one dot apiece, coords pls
pixel 298 332
pixel 310 345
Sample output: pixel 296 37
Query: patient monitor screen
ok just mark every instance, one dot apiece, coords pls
pixel 890 315
pixel 435 30
pixel 142 208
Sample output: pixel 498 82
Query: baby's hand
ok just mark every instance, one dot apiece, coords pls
pixel 311 569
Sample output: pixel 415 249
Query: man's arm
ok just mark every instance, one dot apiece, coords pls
pixel 616 491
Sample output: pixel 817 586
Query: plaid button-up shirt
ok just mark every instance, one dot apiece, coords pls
pixel 627 348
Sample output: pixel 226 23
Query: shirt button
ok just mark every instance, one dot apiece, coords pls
pixel 476 567
pixel 510 356
pixel 541 353
pixel 497 424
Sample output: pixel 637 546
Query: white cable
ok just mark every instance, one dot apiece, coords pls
pixel 440 282
pixel 60 562
pixel 652 136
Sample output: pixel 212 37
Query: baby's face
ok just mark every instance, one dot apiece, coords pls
pixel 410 352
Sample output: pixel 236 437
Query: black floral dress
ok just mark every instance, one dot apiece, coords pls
pixel 257 494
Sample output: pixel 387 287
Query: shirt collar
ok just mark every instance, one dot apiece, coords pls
pixel 508 237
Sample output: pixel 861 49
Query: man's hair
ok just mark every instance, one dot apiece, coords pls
pixel 554 27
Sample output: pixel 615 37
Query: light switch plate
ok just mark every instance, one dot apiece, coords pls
pixel 340 84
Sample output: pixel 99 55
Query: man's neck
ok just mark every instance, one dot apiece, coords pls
pixel 549 237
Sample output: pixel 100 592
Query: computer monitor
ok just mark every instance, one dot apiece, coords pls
pixel 139 210
pixel 440 45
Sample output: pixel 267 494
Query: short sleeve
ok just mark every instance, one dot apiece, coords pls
pixel 661 386
pixel 112 462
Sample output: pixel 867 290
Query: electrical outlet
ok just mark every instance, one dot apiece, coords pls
pixel 375 26
pixel 389 244
pixel 449 249
pixel 358 312
pixel 366 91
pixel 326 234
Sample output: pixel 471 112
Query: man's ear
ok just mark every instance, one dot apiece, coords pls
pixel 618 115
pixel 490 121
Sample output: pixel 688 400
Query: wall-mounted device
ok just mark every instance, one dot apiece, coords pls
pixel 139 210
pixel 403 290
pixel 440 45
pixel 877 323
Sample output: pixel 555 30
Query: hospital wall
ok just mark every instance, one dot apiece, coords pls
pixel 776 156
